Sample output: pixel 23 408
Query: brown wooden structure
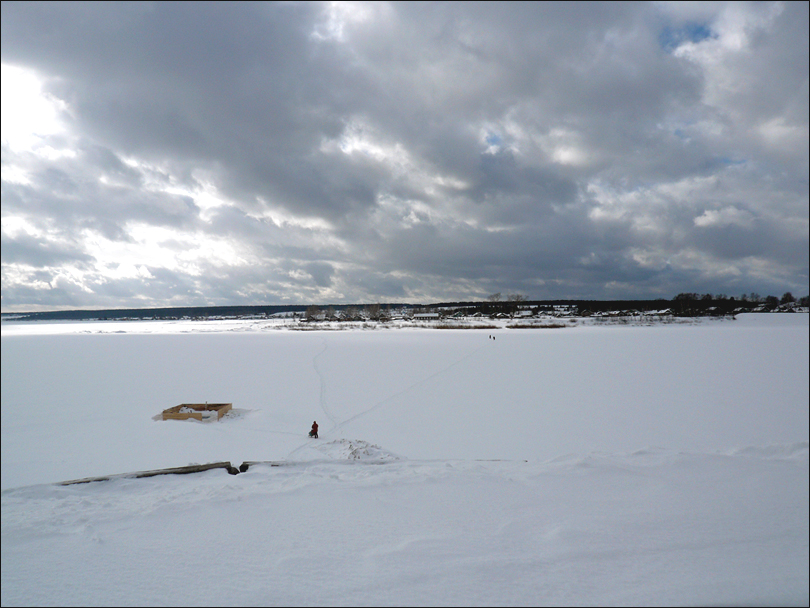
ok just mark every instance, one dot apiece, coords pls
pixel 174 413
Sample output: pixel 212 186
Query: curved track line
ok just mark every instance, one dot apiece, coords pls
pixel 322 381
pixel 406 389
pixel 321 395
pixel 339 425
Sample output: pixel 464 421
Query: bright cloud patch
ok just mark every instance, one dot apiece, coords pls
pixel 725 217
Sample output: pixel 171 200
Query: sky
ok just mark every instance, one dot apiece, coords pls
pixel 185 154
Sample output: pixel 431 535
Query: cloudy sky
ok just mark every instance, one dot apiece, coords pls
pixel 161 154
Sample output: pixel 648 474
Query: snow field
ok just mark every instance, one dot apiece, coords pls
pixel 581 466
pixel 642 529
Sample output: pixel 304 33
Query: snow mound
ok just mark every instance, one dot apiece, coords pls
pixel 791 451
pixel 235 414
pixel 207 415
pixel 355 449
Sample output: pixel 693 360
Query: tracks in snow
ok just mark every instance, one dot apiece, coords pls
pixel 408 389
pixel 337 425
pixel 322 381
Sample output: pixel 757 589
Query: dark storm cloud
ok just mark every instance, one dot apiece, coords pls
pixel 419 150
pixel 41 252
pixel 321 273
pixel 66 196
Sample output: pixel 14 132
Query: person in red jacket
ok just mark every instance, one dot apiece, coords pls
pixel 314 431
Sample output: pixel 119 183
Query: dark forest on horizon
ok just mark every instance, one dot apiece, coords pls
pixel 684 304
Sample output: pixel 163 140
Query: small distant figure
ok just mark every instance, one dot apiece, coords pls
pixel 314 431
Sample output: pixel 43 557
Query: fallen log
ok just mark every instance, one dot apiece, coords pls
pixel 192 468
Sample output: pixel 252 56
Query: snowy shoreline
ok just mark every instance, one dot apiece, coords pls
pixel 20 328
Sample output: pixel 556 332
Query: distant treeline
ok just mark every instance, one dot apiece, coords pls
pixel 684 304
pixel 157 313
pixel 188 312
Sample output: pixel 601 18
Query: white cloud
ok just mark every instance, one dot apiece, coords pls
pixel 779 133
pixel 337 17
pixel 130 271
pixel 728 216
pixel 28 113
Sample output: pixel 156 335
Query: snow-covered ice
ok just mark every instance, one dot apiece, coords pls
pixel 589 465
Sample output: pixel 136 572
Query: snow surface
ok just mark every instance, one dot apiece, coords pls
pixel 634 464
